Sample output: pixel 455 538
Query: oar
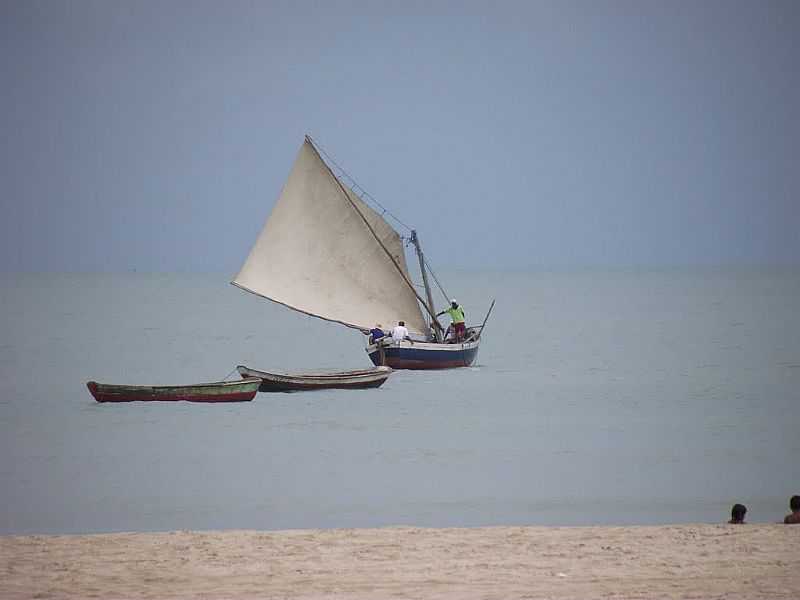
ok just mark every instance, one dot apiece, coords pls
pixel 480 333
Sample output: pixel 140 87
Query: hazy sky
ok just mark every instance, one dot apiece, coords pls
pixel 157 135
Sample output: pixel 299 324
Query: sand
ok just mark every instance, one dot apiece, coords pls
pixel 687 561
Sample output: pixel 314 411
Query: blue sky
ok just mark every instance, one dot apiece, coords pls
pixel 157 135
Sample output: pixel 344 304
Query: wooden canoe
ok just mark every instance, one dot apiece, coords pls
pixel 220 391
pixel 295 382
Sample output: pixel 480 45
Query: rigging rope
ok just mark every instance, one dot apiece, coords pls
pixel 229 374
pixel 404 276
pixel 368 196
pixel 436 279
pixel 356 185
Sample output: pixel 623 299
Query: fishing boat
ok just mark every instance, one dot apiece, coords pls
pixel 326 252
pixel 220 391
pixel 296 382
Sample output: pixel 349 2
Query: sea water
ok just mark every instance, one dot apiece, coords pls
pixel 598 397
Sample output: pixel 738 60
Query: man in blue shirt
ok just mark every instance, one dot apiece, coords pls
pixel 376 333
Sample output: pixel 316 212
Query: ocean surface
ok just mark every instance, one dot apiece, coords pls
pixel 599 397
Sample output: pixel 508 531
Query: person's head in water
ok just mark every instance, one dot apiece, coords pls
pixel 793 518
pixel 737 513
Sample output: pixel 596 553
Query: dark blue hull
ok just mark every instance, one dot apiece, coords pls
pixel 424 355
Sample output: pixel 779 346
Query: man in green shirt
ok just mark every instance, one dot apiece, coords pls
pixel 457 317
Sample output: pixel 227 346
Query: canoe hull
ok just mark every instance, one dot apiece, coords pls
pixel 221 391
pixel 343 380
pixel 423 355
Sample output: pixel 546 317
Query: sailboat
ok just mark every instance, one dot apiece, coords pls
pixel 325 252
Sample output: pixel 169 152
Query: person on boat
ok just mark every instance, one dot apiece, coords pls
pixel 456 313
pixel 376 333
pixel 794 517
pixel 400 333
pixel 737 514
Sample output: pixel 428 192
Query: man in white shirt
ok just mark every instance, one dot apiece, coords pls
pixel 400 333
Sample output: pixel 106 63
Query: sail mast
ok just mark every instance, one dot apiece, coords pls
pixel 437 328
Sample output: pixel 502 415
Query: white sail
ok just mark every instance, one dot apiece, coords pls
pixel 318 256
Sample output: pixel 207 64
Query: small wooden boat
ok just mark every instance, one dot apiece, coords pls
pixel 220 391
pixel 288 382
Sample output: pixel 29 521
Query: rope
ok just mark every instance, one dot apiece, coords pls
pixel 365 193
pixel 229 374
pixel 436 279
pixel 403 275
pixel 385 211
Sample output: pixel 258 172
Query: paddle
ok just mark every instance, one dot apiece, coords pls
pixel 480 333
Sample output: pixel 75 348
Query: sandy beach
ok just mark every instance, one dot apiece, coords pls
pixel 686 561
